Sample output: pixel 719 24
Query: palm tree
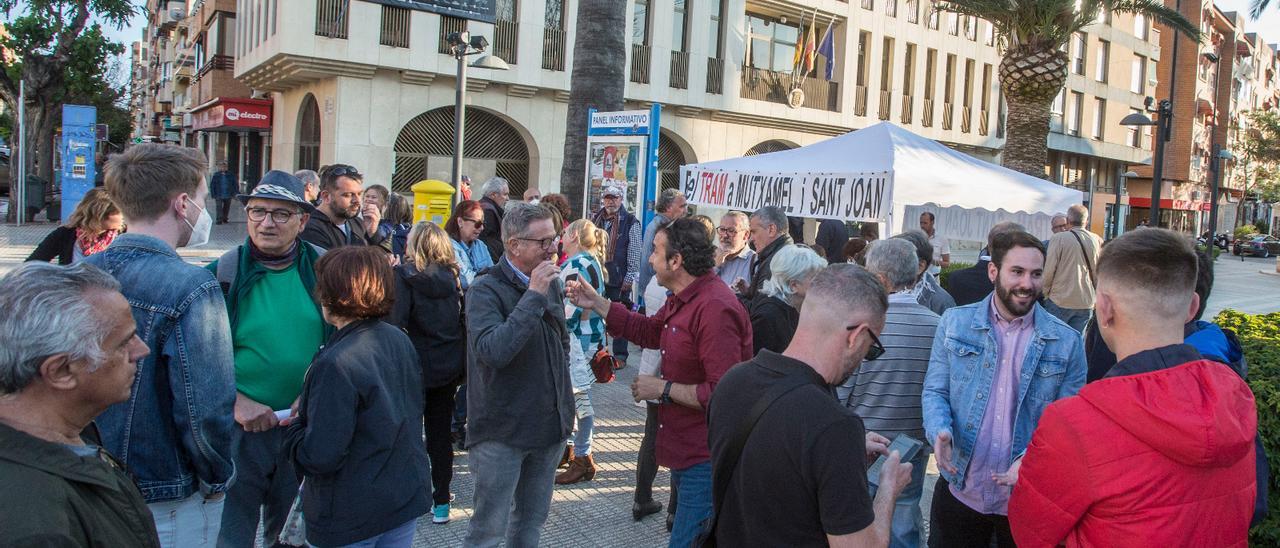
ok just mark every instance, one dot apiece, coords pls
pixel 1033 69
pixel 597 81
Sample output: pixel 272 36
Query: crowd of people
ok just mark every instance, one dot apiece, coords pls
pixel 331 365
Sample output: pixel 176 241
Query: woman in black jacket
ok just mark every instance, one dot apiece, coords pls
pixel 429 308
pixel 775 311
pixel 355 438
pixel 91 228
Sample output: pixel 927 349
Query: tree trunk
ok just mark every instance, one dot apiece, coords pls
pixel 1030 79
pixel 597 81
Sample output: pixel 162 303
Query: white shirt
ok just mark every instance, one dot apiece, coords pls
pixel 941 246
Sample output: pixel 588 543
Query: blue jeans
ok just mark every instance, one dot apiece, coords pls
pixel 512 493
pixel 694 484
pixel 265 487
pixel 615 294
pixel 582 438
pixel 192 521
pixel 1077 318
pixel 400 537
pixel 908 519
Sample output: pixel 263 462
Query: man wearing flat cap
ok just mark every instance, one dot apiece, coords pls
pixel 624 252
pixel 269 284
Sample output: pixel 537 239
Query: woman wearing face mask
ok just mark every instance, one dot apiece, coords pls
pixel 91 228
pixel 464 229
pixel 775 312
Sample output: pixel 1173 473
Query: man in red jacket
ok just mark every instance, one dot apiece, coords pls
pixel 1160 451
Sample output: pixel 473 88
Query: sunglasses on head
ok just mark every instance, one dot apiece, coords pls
pixel 343 170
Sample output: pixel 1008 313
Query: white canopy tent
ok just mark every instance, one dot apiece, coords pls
pixel 966 194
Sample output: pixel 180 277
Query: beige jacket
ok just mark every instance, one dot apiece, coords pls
pixel 1066 276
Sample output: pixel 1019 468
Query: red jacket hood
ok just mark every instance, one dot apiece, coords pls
pixel 1199 413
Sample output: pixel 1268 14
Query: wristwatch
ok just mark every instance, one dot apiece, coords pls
pixel 666 393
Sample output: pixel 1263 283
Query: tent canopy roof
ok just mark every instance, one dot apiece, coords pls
pixel 924 171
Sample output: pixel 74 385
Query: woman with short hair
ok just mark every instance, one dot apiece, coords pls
pixel 429 308
pixel 356 436
pixel 775 312
pixel 465 227
pixel 91 228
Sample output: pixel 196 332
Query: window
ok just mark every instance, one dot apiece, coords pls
pixel 868 5
pixel 909 71
pixel 679 22
pixel 864 49
pixel 991 35
pixel 886 65
pixel 913 11
pixel 934 16
pixel 639 22
pixel 971 28
pixel 1074 106
pixel 891 8
pixel 986 87
pixel 953 24
pixel 715 33
pixel 930 68
pixel 968 82
pixel 1104 61
pixel 1099 118
pixel 1134 138
pixel 773 44
pixel 949 89
pixel 1140 27
pixel 1106 15
pixel 1138 77
pixel 1078 47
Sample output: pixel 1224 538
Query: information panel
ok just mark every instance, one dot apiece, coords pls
pixel 79 142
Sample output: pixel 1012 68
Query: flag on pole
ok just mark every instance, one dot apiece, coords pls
pixel 828 50
pixel 746 58
pixel 810 44
pixel 798 59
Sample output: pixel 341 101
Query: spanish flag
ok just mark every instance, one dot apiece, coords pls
pixel 810 44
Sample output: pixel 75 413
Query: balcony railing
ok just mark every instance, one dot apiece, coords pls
pixel 715 75
pixel 775 87
pixel 680 69
pixel 886 98
pixel 966 119
pixel 331 18
pixel 395 27
pixel 983 124
pixel 913 11
pixel 506 35
pixel 948 110
pixel 891 8
pixel 449 25
pixel 906 109
pixel 869 5
pixel 926 114
pixel 553 40
pixel 640 54
pixel 860 100
pixel 218 62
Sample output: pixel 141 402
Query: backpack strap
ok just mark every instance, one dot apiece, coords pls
pixel 228 268
pixel 1088 261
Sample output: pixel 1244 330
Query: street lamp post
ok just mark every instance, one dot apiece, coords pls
pixel 1163 124
pixel 464 44
pixel 1219 154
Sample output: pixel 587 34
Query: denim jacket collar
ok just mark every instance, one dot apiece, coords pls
pixel 982 320
pixel 141 241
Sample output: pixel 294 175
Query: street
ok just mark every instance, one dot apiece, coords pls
pixel 599 512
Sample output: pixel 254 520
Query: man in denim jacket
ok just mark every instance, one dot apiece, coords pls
pixel 174 432
pixel 994 367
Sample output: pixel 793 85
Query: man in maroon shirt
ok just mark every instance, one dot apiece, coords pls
pixel 702 331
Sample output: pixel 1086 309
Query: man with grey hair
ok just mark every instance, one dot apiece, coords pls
pixel 310 184
pixel 1069 280
pixel 970 285
pixel 797 478
pixel 69 349
pixel 927 289
pixel 733 256
pixel 671 205
pixel 886 392
pixel 175 433
pixel 493 201
pixel 519 400
pixel 768 227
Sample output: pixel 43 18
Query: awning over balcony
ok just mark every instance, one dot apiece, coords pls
pixel 232 114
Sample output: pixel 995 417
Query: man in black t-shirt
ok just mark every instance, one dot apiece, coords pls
pixel 801 478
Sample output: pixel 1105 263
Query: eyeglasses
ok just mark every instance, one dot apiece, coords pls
pixel 876 349
pixel 545 243
pixel 727 231
pixel 279 216
pixel 479 223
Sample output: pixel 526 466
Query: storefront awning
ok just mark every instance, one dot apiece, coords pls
pixel 232 114
pixel 1184 205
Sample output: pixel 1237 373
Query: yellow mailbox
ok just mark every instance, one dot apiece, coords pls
pixel 431 201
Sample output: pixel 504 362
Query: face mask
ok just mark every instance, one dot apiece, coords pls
pixel 533 201
pixel 200 230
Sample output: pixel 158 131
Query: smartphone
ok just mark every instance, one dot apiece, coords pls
pixel 907 448
pixel 571 277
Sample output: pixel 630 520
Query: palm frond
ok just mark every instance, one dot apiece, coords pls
pixel 1162 13
pixel 1258 5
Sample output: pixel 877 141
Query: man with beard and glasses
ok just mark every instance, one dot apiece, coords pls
pixel 339 219
pixel 994 367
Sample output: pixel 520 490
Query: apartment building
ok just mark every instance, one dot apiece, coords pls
pixel 1111 73
pixel 372 84
pixel 159 75
pixel 1254 87
pixel 142 109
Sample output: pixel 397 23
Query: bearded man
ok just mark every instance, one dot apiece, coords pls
pixel 994 368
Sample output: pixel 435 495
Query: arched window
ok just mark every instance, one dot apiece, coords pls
pixel 309 134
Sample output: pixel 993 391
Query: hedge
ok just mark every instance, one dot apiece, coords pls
pixel 1260 336
pixel 946 272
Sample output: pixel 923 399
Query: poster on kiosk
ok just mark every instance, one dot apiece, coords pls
pixel 622 150
pixel 79 144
